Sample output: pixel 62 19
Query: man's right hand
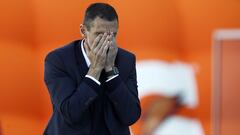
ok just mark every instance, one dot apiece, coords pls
pixel 97 54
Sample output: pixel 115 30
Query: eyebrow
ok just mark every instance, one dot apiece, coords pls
pixel 102 32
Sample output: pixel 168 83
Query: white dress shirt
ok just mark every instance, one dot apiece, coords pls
pixel 88 64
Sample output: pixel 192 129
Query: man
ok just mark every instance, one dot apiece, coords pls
pixel 92 82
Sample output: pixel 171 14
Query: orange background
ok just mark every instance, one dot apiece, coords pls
pixel 153 29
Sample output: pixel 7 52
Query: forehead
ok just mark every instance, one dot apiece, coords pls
pixel 101 25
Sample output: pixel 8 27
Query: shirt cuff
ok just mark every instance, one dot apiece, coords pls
pixel 111 78
pixel 95 80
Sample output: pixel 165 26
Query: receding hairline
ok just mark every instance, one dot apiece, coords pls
pixel 102 10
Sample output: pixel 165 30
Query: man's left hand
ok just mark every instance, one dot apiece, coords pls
pixel 111 55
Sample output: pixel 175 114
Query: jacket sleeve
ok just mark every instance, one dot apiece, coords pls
pixel 72 100
pixel 124 97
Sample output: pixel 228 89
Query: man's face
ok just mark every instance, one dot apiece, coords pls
pixel 100 26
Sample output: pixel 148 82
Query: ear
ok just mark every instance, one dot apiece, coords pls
pixel 83 30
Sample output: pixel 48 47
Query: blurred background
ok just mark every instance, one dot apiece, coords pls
pixel 190 46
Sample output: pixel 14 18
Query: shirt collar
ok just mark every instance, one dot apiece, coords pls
pixel 84 54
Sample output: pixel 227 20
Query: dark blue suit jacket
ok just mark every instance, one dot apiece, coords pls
pixel 72 94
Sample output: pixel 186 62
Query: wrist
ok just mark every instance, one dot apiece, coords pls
pixel 95 68
pixel 108 68
pixel 112 72
pixel 94 72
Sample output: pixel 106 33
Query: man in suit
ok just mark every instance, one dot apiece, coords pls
pixel 92 83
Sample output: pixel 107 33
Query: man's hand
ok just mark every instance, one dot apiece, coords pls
pixel 111 55
pixel 97 54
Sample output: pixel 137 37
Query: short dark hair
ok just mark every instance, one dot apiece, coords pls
pixel 102 10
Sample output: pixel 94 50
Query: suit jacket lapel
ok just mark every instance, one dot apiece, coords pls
pixel 81 63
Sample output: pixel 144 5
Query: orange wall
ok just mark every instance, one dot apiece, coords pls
pixel 165 29
pixel 19 79
pixel 198 21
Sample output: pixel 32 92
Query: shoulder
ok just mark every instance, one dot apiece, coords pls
pixel 125 61
pixel 63 52
pixel 125 54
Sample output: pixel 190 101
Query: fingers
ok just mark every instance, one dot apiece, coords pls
pixel 113 46
pixel 96 41
pixel 106 47
pixel 101 41
pixel 101 46
pixel 106 41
